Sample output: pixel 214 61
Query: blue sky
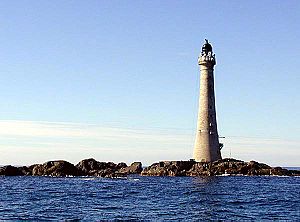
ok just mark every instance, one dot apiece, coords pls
pixel 119 80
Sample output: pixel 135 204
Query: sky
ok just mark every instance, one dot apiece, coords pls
pixel 119 80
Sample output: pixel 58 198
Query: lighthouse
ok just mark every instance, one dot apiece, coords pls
pixel 207 146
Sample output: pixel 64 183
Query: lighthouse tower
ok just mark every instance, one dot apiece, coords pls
pixel 207 146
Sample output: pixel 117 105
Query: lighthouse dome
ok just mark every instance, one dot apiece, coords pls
pixel 206 47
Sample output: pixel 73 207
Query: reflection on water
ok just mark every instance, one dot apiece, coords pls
pixel 205 180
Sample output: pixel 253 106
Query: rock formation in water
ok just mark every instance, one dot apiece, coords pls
pixel 220 167
pixel 61 168
pixel 91 167
pixel 10 171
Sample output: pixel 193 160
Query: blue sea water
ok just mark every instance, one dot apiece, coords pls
pixel 150 198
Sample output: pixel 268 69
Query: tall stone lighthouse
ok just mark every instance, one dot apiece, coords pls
pixel 207 146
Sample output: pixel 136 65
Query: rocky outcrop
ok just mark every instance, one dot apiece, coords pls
pixel 59 168
pixel 229 166
pixel 26 171
pixel 168 168
pixel 134 168
pixel 284 172
pixel 15 171
pixel 220 167
pixel 91 167
pixel 10 171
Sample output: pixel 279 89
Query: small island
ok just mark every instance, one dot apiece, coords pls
pixel 61 168
pixel 91 167
pixel 227 167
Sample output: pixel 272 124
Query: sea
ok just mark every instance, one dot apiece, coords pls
pixel 137 198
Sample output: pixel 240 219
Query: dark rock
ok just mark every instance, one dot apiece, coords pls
pixel 199 169
pixel 11 171
pixel 92 167
pixel 56 168
pixel 134 168
pixel 121 165
pixel 294 172
pixel 168 168
pixel 26 171
pixel 88 166
pixel 104 173
pixel 220 167
pixel 280 171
